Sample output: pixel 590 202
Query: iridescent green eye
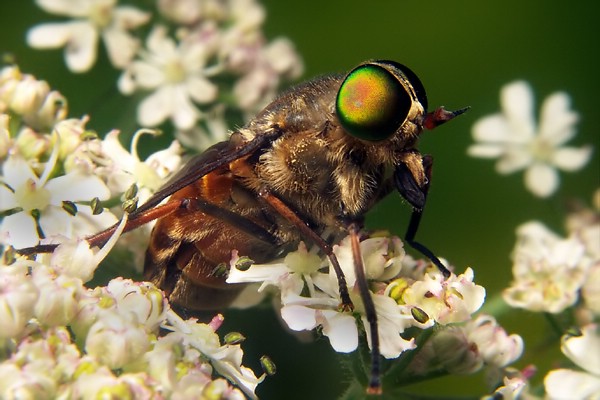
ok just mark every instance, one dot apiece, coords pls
pixel 371 103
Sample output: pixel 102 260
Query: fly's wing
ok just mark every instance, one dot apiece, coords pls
pixel 214 157
pixel 194 169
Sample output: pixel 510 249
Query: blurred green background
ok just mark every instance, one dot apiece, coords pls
pixel 463 51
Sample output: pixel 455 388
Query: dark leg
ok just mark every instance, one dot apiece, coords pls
pixel 365 295
pixel 415 218
pixel 289 214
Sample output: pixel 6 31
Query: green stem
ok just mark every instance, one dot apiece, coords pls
pixel 554 324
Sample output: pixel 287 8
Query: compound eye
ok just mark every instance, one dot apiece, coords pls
pixel 371 103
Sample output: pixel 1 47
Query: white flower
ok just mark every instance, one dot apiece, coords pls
pixel 116 340
pixel 495 347
pixel 548 271
pixel 24 195
pixel 226 359
pixel 584 351
pixel 141 302
pixel 121 168
pixel 272 63
pixel 512 136
pixel 178 75
pixel 213 128
pixel 58 296
pixel 442 300
pixel 92 18
pixel 515 387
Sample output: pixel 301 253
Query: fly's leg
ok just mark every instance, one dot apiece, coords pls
pixel 414 190
pixel 285 211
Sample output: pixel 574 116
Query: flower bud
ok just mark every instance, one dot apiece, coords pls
pixel 18 296
pixel 115 340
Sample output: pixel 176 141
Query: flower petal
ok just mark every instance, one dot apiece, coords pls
pixel 571 158
pixel 56 224
pixel 49 36
pixel 513 160
pixel 80 52
pixel 493 128
pixel 567 384
pixel 541 179
pixel 16 172
pixel 340 329
pixel 67 7
pixel 7 198
pixel 485 150
pixel 127 17
pixel 155 108
pixel 584 350
pixel 517 103
pixel 299 318
pixel 114 149
pixel 201 90
pixel 120 46
pixel 557 120
pixel 19 230
pixel 184 114
pixel 76 186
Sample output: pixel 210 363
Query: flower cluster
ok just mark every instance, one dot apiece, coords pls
pixel 406 294
pixel 512 137
pixel 553 273
pixel 56 172
pixel 197 53
pixel 60 339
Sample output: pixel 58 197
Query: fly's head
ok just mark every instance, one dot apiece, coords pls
pixel 384 105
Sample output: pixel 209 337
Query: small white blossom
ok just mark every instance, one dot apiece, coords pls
pixel 213 128
pixel 226 359
pixel 584 351
pixel 91 19
pixel 139 301
pixel 121 168
pixel 445 301
pixel 515 386
pixel 513 138
pixel 188 12
pixel 58 296
pixel 494 345
pixel 548 271
pixel 255 89
pixel 116 340
pixel 177 73
pixel 466 348
pixel 24 194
